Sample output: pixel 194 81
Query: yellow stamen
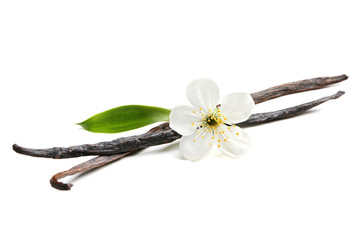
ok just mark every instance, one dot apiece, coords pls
pixel 225 140
pixel 200 109
pixel 192 124
pixel 194 140
pixel 237 133
pixel 202 136
pixel 212 137
pixel 193 111
pixel 218 145
pixel 219 140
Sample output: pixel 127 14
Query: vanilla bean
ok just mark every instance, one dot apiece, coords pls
pixel 83 167
pixel 122 147
pixel 93 163
pixel 119 145
pixel 296 87
pixel 148 139
pixel 165 135
pixel 257 118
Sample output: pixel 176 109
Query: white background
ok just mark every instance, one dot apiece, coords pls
pixel 63 61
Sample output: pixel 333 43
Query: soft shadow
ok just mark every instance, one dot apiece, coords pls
pixel 169 147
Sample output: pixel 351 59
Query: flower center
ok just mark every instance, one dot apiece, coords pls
pixel 212 122
pixel 213 119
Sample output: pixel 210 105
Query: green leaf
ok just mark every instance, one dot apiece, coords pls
pixel 125 118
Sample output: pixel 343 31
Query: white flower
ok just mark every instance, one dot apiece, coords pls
pixel 208 123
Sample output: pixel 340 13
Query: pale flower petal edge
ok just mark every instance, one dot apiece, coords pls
pixel 195 147
pixel 203 93
pixel 237 106
pixel 183 120
pixel 237 145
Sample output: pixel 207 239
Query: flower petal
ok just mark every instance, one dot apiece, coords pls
pixel 183 120
pixel 203 93
pixel 195 150
pixel 237 107
pixel 237 143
